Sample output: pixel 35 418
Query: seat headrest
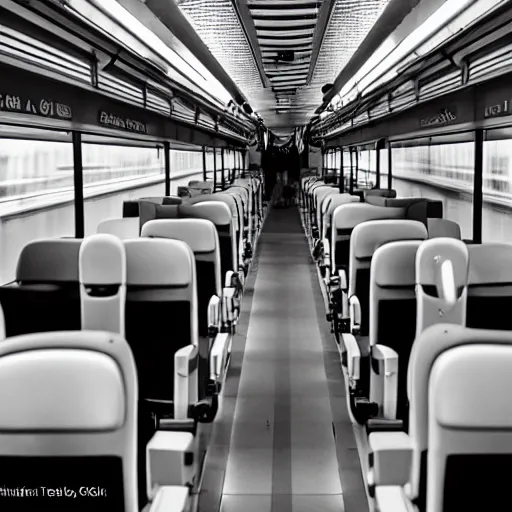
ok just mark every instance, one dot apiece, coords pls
pixel 367 237
pixel 151 211
pixel 490 263
pixel 49 261
pixel 380 192
pixel 50 382
pixel 102 260
pixel 322 193
pixel 220 197
pixel 219 213
pixel 242 191
pixel 156 199
pixel 199 234
pixel 322 189
pixel 159 262
pixel 439 228
pixel 347 216
pixel 122 228
pixel 447 248
pixel 203 185
pixel 471 373
pixel 427 347
pixel 171 200
pixel 336 200
pixel 393 264
pixel 434 207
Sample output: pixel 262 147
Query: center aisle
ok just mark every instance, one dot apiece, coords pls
pixel 283 450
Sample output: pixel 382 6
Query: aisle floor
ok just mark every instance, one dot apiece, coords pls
pixel 283 450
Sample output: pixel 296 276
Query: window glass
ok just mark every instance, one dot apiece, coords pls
pixel 384 167
pixel 209 164
pixel 36 196
pixel 444 172
pixel 346 169
pixel 114 174
pixel 497 191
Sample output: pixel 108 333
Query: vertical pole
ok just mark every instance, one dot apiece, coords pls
pixel 204 164
pixel 356 156
pixel 351 170
pixel 223 177
pixel 167 162
pixel 78 181
pixel 377 166
pixel 477 186
pixel 214 169
pixel 341 183
pixel 390 167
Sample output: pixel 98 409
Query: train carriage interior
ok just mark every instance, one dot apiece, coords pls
pixel 255 255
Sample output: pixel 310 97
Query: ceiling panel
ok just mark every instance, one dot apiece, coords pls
pixel 322 36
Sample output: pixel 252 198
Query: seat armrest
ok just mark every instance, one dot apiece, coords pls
pixel 214 316
pixel 185 380
pixel 392 498
pixel 230 307
pixel 228 281
pixel 355 315
pixel 353 357
pixel 2 324
pixel 169 498
pixel 387 363
pixel 326 252
pixel 390 458
pixel 343 279
pixel 218 356
pixel 169 460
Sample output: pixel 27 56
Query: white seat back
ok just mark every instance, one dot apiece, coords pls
pixel 102 273
pixel 69 407
pixel 199 234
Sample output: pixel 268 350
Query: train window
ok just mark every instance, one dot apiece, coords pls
pixel 34 176
pixel 497 187
pixel 338 163
pixel 438 171
pixel 346 168
pixel 185 166
pixel 218 159
pixel 113 174
pixel 384 167
pixel 209 164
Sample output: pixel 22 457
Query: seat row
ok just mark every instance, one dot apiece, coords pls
pixel 414 312
pixel 157 311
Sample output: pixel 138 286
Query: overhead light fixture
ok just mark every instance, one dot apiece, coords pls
pixel 148 39
pixel 378 69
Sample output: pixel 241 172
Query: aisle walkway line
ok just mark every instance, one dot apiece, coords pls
pixel 282 454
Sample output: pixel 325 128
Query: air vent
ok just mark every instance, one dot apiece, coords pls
pixel 497 62
pixel 120 89
pixel 25 49
pixel 442 85
pixel 380 109
pixel 157 103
